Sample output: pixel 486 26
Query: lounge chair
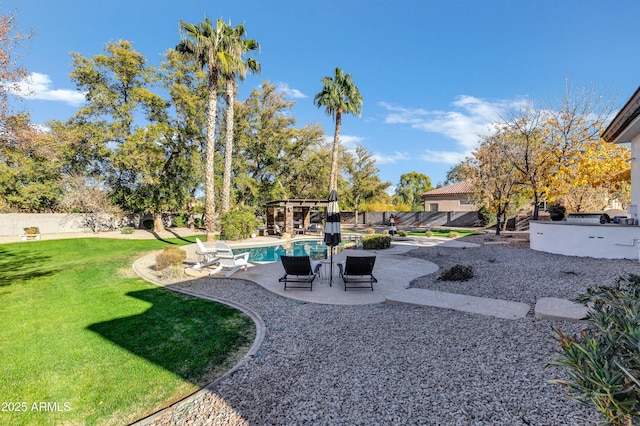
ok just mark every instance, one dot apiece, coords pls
pixel 298 269
pixel 358 269
pixel 207 255
pixel 228 260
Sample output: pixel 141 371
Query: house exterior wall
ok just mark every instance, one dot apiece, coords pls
pixel 451 203
pixel 635 174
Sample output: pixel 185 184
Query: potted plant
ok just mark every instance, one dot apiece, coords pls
pixel 556 212
pixel 31 232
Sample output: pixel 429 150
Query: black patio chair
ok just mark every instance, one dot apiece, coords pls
pixel 356 270
pixel 298 270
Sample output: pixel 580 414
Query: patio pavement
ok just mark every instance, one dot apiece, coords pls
pixel 394 272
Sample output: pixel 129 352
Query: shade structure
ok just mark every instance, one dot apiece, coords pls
pixel 332 227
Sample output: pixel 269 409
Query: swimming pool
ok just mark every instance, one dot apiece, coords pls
pixel 315 249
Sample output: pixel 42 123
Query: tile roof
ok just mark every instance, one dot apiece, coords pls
pixel 464 187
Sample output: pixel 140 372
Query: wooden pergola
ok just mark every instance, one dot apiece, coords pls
pixel 292 215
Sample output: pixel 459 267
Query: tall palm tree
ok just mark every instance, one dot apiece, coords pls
pixel 237 46
pixel 206 45
pixel 339 95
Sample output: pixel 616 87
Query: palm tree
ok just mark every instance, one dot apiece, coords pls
pixel 237 46
pixel 339 95
pixel 206 45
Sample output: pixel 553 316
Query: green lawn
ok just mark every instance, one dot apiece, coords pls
pixel 84 341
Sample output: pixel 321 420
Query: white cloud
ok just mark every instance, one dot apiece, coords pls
pixel 349 142
pixel 443 157
pixel 38 86
pixel 287 91
pixel 391 159
pixel 469 118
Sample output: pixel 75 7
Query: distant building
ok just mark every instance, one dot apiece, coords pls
pixel 450 198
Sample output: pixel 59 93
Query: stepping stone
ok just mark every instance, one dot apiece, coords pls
pixel 554 308
pixel 459 302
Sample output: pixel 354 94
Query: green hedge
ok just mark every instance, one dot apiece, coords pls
pixel 376 241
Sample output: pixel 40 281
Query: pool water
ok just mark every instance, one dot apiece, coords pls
pixel 315 249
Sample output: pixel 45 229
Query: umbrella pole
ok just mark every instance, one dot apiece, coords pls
pixel 331 273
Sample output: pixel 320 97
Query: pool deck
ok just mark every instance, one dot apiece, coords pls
pixel 394 272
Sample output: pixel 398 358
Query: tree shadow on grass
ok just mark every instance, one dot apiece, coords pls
pixel 22 265
pixel 195 339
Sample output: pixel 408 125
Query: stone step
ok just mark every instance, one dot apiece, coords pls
pixel 554 308
pixel 477 305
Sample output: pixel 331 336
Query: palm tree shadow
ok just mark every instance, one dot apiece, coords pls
pixel 24 265
pixel 158 334
pixel 185 239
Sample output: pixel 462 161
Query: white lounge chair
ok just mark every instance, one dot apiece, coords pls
pixel 228 260
pixel 207 255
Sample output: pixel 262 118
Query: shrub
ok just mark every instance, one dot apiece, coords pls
pixel 170 256
pixel 199 222
pixel 370 231
pixel 375 242
pixel 428 233
pixel 453 234
pixel 457 273
pixel 180 221
pixel 402 233
pixel 604 359
pixel 148 224
pixel 32 230
pixel 239 223
pixel 127 230
pixel 485 216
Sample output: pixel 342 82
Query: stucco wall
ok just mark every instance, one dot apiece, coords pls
pixel 597 241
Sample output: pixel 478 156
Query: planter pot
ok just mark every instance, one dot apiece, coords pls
pixel 556 216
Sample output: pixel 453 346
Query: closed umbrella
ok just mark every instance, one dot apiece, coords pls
pixel 332 227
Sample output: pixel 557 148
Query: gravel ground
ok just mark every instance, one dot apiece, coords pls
pixel 400 365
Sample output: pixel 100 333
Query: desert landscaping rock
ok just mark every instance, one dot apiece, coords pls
pixel 386 364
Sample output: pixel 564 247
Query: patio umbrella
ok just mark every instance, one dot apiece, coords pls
pixel 332 227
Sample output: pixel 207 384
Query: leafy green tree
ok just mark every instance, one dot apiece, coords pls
pixel 454 175
pixel 30 167
pixel 11 72
pixel 274 159
pixel 149 156
pixel 339 95
pixel 410 189
pixel 205 44
pixel 364 183
pixel 238 46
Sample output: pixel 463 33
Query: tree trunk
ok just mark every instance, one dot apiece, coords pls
pixel 333 180
pixel 225 202
pixel 158 225
pixel 210 203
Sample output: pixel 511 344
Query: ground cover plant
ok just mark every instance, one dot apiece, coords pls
pixel 603 361
pixel 85 341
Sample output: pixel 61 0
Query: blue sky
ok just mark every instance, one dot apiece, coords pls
pixel 433 74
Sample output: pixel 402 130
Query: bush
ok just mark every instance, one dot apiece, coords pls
pixel 32 230
pixel 485 216
pixel 127 230
pixel 402 233
pixel 604 359
pixel 170 256
pixel 375 242
pixel 453 234
pixel 239 223
pixel 180 221
pixel 457 273
pixel 198 222
pixel 370 231
pixel 428 233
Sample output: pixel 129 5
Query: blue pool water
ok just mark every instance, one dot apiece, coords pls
pixel 315 249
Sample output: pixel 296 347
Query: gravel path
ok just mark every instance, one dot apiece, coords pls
pixel 400 365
